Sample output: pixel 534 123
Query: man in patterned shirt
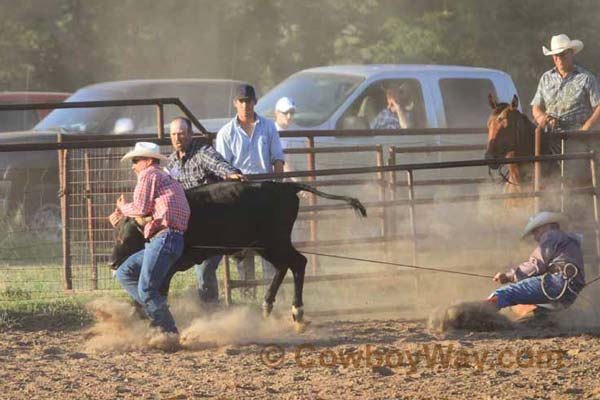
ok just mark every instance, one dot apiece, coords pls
pixel 567 97
pixel 554 274
pixel 395 115
pixel 194 163
pixel 158 195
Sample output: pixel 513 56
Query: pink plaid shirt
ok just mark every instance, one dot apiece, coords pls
pixel 159 195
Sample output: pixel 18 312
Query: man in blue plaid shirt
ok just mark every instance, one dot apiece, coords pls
pixel 195 163
pixel 395 115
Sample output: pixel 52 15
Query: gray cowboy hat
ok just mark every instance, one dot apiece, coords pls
pixel 541 219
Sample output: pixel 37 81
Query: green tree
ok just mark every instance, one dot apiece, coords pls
pixel 65 44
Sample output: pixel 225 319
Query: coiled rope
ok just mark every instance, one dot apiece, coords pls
pixel 568 280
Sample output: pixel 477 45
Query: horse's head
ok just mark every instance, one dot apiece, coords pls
pixel 502 129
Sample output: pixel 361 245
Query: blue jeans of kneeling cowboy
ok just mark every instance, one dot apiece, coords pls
pixel 557 287
pixel 144 272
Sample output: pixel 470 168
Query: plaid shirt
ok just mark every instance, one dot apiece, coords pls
pixel 572 100
pixel 161 196
pixel 388 120
pixel 201 164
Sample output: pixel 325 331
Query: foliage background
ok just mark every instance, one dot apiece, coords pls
pixel 65 44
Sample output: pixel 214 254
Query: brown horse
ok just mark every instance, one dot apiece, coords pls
pixel 512 134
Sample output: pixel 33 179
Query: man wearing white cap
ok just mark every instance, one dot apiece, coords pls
pixel 285 108
pixel 554 272
pixel 160 196
pixel 567 99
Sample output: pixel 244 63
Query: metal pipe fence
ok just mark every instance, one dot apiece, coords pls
pixel 411 202
pixel 91 179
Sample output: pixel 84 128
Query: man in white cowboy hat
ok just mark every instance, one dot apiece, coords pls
pixel 160 196
pixel 554 272
pixel 567 99
pixel 567 95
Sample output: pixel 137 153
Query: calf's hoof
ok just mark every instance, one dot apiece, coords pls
pixel 297 313
pixel 300 324
pixel 266 309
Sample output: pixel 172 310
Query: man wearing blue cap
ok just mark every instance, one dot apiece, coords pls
pixel 251 144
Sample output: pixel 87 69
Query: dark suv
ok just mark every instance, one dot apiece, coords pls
pixel 29 180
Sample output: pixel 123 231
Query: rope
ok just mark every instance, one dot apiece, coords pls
pixel 399 265
pixel 592 281
pixel 565 286
pixel 228 247
pixel 367 260
pixel 354 259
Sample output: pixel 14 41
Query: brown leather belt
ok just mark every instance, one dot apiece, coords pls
pixel 166 228
pixel 142 221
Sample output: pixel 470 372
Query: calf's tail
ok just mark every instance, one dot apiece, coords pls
pixel 353 202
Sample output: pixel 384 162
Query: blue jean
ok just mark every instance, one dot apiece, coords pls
pixel 206 275
pixel 144 272
pixel 529 291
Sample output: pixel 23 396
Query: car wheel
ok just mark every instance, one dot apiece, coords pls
pixel 46 223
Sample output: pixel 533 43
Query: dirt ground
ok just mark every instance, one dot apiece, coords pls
pixel 234 354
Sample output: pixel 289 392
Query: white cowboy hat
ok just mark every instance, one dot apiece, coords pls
pixel 144 149
pixel 560 43
pixel 541 219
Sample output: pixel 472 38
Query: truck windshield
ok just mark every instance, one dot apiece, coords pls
pixel 317 96
pixel 88 120
pixel 204 99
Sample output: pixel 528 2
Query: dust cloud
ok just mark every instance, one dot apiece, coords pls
pixel 468 237
pixel 480 237
pixel 477 237
pixel 117 328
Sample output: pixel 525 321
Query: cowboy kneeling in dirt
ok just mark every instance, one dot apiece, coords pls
pixel 553 275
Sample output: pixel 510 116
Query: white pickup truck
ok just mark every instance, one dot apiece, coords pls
pixel 350 96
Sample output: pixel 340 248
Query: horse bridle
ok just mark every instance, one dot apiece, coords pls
pixel 504 176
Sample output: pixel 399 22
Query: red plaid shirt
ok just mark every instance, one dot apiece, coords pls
pixel 161 196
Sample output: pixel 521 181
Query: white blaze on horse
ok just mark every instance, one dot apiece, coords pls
pixel 511 134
